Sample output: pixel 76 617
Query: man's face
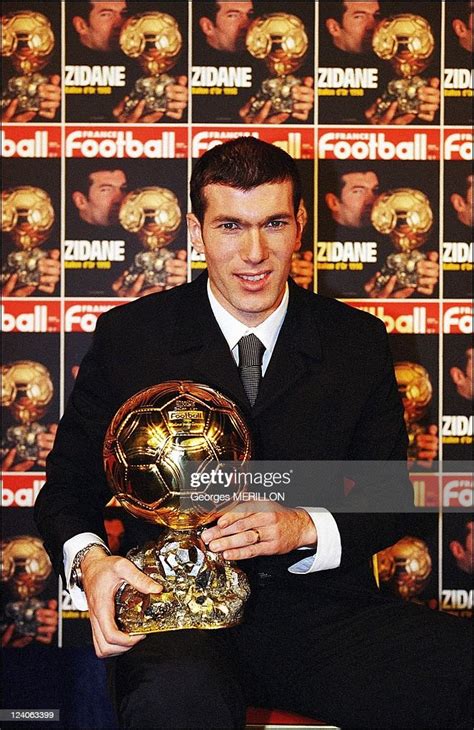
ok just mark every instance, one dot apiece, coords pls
pixel 464 206
pixel 465 33
pixel 353 207
pixel 232 21
pixel 248 238
pixel 106 191
pixel 102 31
pixel 354 34
pixel 464 379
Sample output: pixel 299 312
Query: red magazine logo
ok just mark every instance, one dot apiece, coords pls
pixel 82 316
pixel 21 490
pixel 119 143
pixel 30 316
pixel 404 318
pixel 391 144
pixel 457 491
pixel 458 145
pixel 297 143
pixel 26 141
pixel 457 319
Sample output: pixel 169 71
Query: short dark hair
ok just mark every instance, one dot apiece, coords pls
pixel 455 528
pixel 334 9
pixel 81 8
pixel 83 182
pixel 459 11
pixel 207 10
pixel 243 163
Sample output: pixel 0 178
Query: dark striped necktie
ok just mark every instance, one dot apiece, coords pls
pixel 250 365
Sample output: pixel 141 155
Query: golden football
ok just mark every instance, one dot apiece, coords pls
pixel 27 39
pixel 405 215
pixel 406 41
pixel 27 215
pixel 280 40
pixel 153 213
pixel 414 386
pixel 25 565
pixel 154 38
pixel 27 389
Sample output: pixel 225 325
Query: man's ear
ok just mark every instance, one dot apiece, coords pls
pixel 79 25
pixel 459 27
pixel 333 27
pixel 195 233
pixel 79 200
pixel 457 376
pixel 456 549
pixel 206 25
pixel 458 203
pixel 301 220
pixel 332 202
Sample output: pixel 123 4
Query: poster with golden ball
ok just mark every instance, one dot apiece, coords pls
pixel 253 63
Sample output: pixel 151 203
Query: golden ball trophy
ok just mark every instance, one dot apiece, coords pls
pixel 27 218
pixel 281 41
pixel 155 39
pixel 27 390
pixel 25 568
pixel 163 453
pixel 405 567
pixel 154 215
pixel 405 215
pixel 28 41
pixel 414 386
pixel 406 41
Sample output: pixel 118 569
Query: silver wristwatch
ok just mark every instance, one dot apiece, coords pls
pixel 76 572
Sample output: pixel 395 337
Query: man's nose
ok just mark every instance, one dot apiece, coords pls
pixel 254 248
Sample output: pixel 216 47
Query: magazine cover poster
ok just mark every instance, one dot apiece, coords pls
pixel 378 228
pixel 458 387
pixel 31 227
pixel 30 399
pixel 31 68
pixel 125 226
pixel 416 362
pixel 126 62
pixel 253 62
pixel 458 216
pixel 458 74
pixel 29 604
pixel 458 566
pixel 379 63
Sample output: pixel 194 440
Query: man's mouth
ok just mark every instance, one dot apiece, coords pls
pixel 253 277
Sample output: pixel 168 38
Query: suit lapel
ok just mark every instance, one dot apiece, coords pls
pixel 297 346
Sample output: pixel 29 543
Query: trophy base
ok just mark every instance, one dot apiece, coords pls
pixel 404 266
pixel 25 265
pixel 201 590
pixel 405 92
pixel 23 615
pixel 153 90
pixel 414 430
pixel 278 90
pixel 25 89
pixel 23 438
pixel 152 265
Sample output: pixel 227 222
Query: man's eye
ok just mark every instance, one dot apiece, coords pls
pixel 228 226
pixel 276 224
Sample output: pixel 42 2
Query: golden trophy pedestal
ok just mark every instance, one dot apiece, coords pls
pixel 406 41
pixel 280 40
pixel 162 451
pixel 405 215
pixel 155 40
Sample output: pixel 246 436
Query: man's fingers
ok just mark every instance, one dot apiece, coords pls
pixel 143 583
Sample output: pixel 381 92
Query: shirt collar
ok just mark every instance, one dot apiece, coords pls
pixel 232 329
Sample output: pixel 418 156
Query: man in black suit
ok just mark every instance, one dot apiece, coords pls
pixel 316 636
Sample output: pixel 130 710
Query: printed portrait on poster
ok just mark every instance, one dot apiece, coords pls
pixel 252 62
pixel 126 62
pixel 458 73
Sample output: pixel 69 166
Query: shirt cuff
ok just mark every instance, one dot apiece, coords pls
pixel 329 550
pixel 70 549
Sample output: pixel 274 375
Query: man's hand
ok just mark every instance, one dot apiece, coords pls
pixel 175 268
pixel 302 269
pixel 303 102
pixel 49 269
pixel 50 99
pixel 429 97
pixel 45 443
pixel 48 622
pixel 8 462
pixel 176 102
pixel 427 445
pixel 102 575
pixel 428 271
pixel 260 528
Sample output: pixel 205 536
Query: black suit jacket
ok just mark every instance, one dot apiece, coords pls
pixel 329 393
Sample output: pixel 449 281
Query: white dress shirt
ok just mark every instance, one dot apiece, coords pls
pixel 329 550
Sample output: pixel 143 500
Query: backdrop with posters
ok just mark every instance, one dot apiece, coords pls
pixel 56 145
